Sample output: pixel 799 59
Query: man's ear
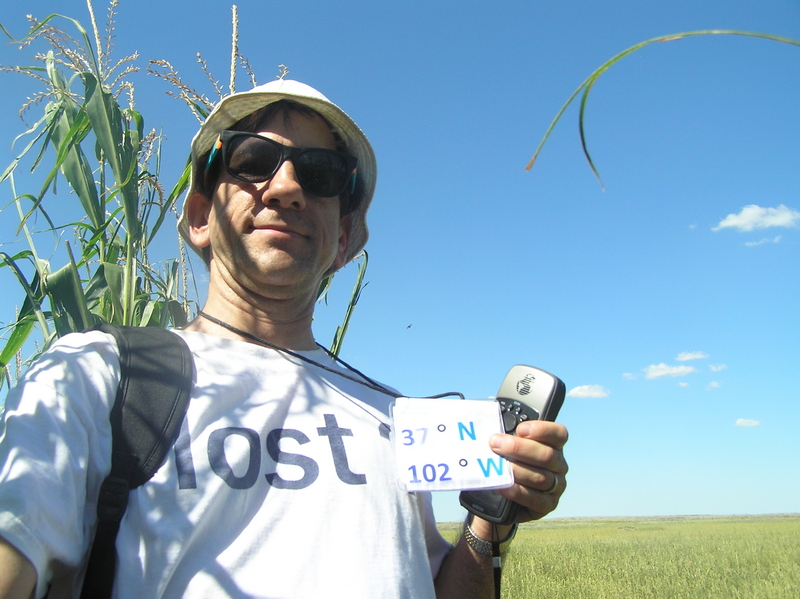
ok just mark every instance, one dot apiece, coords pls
pixel 345 226
pixel 198 209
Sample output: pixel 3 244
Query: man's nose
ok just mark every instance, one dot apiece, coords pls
pixel 284 188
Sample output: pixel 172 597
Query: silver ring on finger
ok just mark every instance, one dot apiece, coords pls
pixel 552 488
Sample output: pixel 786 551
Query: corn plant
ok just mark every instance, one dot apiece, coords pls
pixel 85 136
pixel 110 165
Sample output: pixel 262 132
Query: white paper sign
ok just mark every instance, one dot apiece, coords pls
pixel 443 445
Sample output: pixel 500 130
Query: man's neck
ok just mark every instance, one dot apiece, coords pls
pixel 286 323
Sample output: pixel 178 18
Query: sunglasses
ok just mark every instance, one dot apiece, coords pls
pixel 253 158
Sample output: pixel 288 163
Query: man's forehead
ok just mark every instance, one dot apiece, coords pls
pixel 289 120
pixel 300 124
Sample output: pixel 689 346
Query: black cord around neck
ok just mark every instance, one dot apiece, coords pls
pixel 367 382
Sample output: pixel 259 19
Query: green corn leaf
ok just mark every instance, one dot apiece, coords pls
pixel 177 190
pixel 136 133
pixel 56 78
pixel 113 252
pixel 42 266
pixel 32 291
pixel 29 314
pixel 33 129
pixel 149 314
pixel 24 254
pixel 10 168
pixel 171 284
pixel 73 163
pixel 341 331
pixel 132 144
pixel 102 292
pixel 26 320
pixel 8 35
pixel 114 275
pixel 53 112
pixel 18 337
pixel 97 287
pixel 23 220
pixel 324 287
pixel 70 311
pixel 177 314
pixel 119 148
pixel 104 115
pixel 92 247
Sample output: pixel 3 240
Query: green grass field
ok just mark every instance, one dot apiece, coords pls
pixel 704 557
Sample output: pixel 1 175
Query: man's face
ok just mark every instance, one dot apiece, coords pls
pixel 273 238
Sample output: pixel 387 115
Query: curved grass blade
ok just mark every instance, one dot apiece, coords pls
pixel 589 82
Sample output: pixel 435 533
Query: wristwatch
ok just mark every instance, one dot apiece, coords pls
pixel 482 546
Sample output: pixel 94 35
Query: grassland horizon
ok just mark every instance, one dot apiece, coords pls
pixel 708 556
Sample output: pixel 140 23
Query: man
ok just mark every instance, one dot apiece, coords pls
pixel 282 482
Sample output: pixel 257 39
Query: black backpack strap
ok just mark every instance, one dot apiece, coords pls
pixel 156 373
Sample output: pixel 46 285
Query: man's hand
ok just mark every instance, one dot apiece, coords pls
pixel 539 474
pixel 538 464
pixel 17 574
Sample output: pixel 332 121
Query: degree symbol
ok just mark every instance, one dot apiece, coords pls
pixel 441 428
pixel 462 462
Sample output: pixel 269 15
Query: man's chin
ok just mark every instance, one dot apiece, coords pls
pixel 290 280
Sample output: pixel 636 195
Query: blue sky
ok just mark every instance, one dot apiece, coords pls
pixel 667 302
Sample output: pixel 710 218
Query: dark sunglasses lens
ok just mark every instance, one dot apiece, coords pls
pixel 252 159
pixel 322 172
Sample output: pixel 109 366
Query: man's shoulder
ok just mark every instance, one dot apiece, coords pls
pixel 83 349
pixel 77 375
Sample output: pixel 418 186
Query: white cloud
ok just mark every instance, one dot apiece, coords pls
pixel 629 375
pixel 655 371
pixel 745 422
pixel 717 367
pixel 691 355
pixel 589 391
pixel 755 217
pixel 763 241
pixel 713 385
pixel 683 384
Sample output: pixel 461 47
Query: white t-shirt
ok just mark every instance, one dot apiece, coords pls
pixel 281 484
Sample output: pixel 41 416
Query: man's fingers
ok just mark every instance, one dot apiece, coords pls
pixel 535 504
pixel 529 452
pixel 549 433
pixel 538 479
pixel 538 464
